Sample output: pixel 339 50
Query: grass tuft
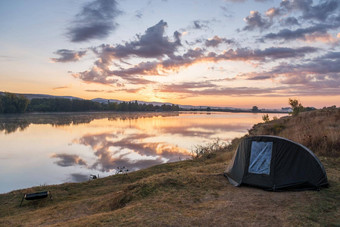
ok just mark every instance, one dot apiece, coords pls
pixel 210 150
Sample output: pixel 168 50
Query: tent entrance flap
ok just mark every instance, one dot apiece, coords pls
pixel 260 157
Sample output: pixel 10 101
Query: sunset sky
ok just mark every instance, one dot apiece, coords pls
pixel 236 53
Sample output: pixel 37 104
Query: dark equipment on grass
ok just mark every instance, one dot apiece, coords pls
pixel 275 163
pixel 94 177
pixel 123 170
pixel 37 195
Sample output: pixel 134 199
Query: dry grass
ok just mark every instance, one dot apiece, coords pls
pixel 318 130
pixel 187 193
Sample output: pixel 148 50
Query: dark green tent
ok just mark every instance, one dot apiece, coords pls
pixel 276 163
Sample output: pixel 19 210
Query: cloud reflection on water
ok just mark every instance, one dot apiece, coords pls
pixel 68 160
pixel 145 147
pixel 203 130
pixel 111 154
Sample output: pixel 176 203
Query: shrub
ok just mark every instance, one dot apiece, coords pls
pixel 265 118
pixel 209 150
pixel 296 106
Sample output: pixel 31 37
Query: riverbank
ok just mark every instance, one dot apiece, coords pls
pixel 194 192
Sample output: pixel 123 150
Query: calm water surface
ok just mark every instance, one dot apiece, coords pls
pixel 40 149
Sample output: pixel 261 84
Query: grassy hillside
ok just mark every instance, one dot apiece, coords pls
pixel 318 130
pixel 194 192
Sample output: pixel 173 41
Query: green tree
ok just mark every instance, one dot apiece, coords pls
pixel 22 103
pixel 112 106
pixel 40 105
pixel 296 106
pixel 174 107
pixel 255 109
pixel 11 103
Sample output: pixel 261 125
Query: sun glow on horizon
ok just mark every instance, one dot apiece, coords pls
pixel 143 50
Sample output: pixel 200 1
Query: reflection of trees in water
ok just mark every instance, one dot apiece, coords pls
pixel 11 123
pixel 10 127
pixel 137 115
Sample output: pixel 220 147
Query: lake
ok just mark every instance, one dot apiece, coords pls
pixel 44 149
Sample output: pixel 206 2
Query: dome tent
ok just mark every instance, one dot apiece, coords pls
pixel 275 163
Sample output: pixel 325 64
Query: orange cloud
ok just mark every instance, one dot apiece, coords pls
pixel 324 38
pixel 61 87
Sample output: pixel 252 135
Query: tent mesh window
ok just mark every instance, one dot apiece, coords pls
pixel 260 157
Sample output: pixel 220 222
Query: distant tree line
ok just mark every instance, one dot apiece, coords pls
pixel 11 103
pixel 62 105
